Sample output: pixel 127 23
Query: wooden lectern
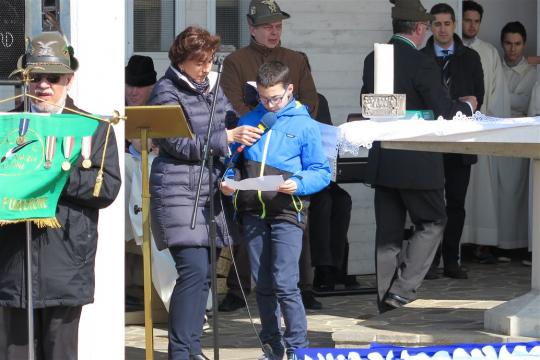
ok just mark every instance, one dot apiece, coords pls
pixel 144 122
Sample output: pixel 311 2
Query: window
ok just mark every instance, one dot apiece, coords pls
pixel 153 25
pixel 231 22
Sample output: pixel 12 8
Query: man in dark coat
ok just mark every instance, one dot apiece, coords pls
pixel 462 75
pixel 63 258
pixel 409 181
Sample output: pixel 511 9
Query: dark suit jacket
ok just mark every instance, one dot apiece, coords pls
pixel 418 76
pixel 466 76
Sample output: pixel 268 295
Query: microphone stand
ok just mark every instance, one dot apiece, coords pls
pixel 208 156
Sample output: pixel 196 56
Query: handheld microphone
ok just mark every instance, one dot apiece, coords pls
pixel 267 121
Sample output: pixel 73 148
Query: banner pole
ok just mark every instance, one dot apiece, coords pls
pixel 29 275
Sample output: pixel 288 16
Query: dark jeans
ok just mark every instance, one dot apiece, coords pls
pixel 56 333
pixel 274 251
pixel 188 301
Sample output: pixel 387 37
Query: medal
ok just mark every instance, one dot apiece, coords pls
pixel 67 145
pixel 86 150
pixel 23 128
pixel 50 150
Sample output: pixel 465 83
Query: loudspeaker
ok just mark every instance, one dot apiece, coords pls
pixel 12 46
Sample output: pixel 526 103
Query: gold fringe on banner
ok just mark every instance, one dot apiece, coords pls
pixel 40 223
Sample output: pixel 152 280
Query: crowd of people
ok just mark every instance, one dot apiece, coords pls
pixel 289 250
pixel 293 241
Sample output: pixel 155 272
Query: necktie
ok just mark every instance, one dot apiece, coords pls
pixel 446 76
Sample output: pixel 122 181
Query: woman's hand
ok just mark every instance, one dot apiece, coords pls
pixel 288 187
pixel 226 189
pixel 245 135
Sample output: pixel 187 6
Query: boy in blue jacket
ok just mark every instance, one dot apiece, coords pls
pixel 273 221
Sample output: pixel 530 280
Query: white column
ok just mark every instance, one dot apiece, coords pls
pixel 97 35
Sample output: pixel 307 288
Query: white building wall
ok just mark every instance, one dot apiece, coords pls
pixel 99 89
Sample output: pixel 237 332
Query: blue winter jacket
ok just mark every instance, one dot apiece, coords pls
pixel 292 148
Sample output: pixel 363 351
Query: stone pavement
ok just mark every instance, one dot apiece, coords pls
pixel 447 311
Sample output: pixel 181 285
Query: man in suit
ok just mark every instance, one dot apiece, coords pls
pixel 462 75
pixel 409 181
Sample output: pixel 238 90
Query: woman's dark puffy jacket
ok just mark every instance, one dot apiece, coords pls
pixel 173 179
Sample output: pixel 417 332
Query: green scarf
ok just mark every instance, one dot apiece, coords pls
pixel 29 191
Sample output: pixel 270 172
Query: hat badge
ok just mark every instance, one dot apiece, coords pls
pixel 253 10
pixel 271 5
pixel 44 48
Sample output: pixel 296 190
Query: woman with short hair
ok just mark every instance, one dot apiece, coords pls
pixel 189 82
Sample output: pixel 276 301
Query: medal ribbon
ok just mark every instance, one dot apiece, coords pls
pixel 68 146
pixel 51 148
pixel 86 147
pixel 23 126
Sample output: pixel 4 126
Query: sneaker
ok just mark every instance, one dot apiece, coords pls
pixel 231 303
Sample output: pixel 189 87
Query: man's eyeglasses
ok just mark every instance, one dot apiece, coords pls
pixel 274 99
pixel 50 78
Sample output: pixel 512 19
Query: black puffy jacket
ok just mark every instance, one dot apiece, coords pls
pixel 62 259
pixel 173 179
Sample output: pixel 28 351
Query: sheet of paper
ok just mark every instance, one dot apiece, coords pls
pixel 262 183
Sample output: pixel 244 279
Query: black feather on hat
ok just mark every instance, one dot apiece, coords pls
pixel 140 71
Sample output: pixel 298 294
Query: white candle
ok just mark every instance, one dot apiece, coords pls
pixel 384 69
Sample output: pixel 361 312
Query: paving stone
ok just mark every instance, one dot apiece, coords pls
pixel 447 311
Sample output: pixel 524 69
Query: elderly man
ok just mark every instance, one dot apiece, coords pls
pixel 409 181
pixel 265 26
pixel 63 258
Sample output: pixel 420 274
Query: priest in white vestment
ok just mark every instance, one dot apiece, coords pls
pixel 485 222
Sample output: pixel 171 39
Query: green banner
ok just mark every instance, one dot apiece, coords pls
pixel 37 153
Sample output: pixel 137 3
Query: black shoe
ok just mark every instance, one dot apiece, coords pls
pixel 432 273
pixel 231 302
pixel 324 279
pixel 309 301
pixel 351 283
pixel 456 273
pixel 396 301
pixel 198 357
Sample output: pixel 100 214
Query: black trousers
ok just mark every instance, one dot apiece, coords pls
pixel 56 333
pixel 329 218
pixel 457 176
pixel 401 272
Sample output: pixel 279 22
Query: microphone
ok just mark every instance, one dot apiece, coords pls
pixel 267 121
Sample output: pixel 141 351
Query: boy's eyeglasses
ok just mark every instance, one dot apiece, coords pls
pixel 50 78
pixel 274 99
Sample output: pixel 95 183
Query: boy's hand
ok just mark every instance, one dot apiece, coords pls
pixel 288 187
pixel 226 189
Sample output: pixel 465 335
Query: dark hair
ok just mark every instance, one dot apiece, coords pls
pixel 514 27
pixel 273 73
pixel 305 58
pixel 443 8
pixel 403 26
pixel 470 5
pixel 193 43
